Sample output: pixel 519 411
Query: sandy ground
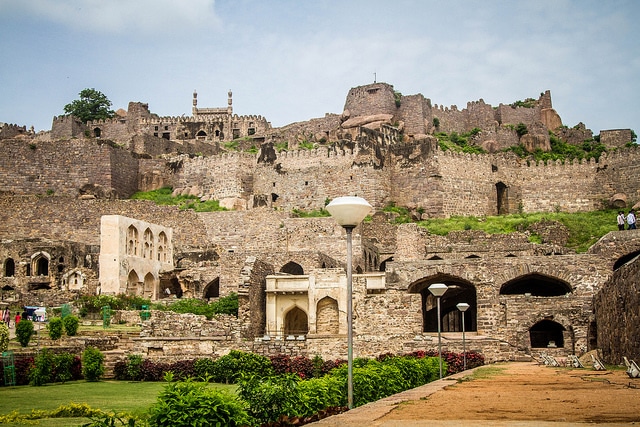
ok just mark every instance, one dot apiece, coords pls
pixel 520 394
pixel 529 392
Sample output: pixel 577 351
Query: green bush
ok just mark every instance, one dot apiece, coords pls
pixel 229 367
pixel 24 332
pixel 134 367
pixel 204 368
pixel 225 305
pixel 71 324
pixel 4 337
pixel 317 394
pixel 42 370
pixel 55 328
pixel 196 404
pixel 268 398
pixel 62 367
pixel 92 364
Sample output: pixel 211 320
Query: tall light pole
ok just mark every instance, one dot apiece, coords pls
pixel 348 212
pixel 463 306
pixel 438 289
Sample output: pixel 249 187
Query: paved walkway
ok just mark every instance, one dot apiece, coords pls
pixel 383 413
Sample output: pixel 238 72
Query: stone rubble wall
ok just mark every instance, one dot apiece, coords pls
pixel 617 315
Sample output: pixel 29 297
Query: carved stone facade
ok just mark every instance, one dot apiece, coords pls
pixel 61 204
pixel 133 253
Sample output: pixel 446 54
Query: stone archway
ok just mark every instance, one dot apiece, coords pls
pixel 296 322
pixel 292 268
pixel 458 290
pixel 133 281
pixel 502 196
pixel 327 316
pixel 547 333
pixel 212 290
pixel 149 285
pixel 536 284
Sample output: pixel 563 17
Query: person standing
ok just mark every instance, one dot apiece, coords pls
pixel 6 316
pixel 631 220
pixel 621 220
pixel 18 318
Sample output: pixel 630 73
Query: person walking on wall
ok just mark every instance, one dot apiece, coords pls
pixel 631 220
pixel 621 220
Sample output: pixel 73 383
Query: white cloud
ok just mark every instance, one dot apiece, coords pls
pixel 147 17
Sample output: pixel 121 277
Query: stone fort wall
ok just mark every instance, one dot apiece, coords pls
pixel 617 315
pixel 66 167
pixel 416 175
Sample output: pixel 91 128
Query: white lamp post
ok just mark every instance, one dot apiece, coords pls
pixel 463 306
pixel 348 212
pixel 438 289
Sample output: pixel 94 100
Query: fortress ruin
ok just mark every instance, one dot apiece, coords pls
pixel 67 228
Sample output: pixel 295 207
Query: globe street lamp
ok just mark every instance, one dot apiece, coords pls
pixel 438 289
pixel 463 306
pixel 348 212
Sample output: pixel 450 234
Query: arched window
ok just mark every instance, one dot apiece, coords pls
pixel 292 268
pixel 41 265
pixel 132 241
pixel 9 267
pixel 148 244
pixel 546 333
pixel 97 132
pixel 327 316
pixel 536 284
pixel 296 322
pixel 162 247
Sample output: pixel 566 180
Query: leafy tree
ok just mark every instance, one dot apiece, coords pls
pixel 92 105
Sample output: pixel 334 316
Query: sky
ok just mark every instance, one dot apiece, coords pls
pixel 292 61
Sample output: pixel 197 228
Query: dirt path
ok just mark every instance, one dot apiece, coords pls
pixel 529 392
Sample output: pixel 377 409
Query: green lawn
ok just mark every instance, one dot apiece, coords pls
pixel 118 396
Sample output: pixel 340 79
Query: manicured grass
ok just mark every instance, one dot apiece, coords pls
pixel 134 398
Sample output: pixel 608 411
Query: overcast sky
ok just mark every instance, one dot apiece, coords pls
pixel 292 60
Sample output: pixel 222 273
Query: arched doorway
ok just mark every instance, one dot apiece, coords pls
pixel 41 264
pixel 132 283
pixel 296 322
pixel 212 290
pixel 458 290
pixel 546 333
pixel 327 316
pixel 149 284
pixel 9 267
pixel 502 196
